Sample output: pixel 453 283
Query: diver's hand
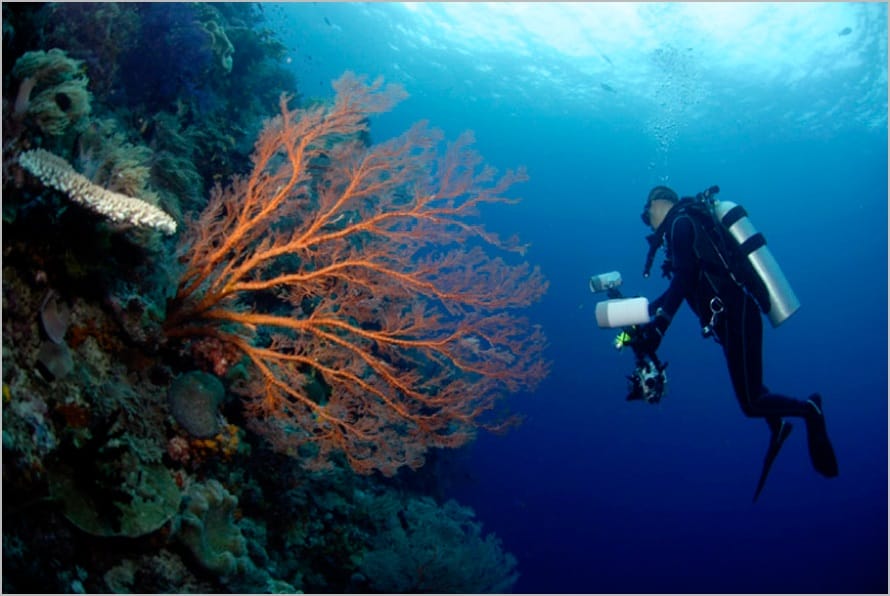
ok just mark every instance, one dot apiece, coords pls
pixel 647 338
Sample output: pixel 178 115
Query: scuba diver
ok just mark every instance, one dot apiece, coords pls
pixel 700 268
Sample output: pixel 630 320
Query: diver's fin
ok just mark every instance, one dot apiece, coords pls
pixel 821 451
pixel 775 444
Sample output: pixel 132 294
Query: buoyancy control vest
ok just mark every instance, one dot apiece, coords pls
pixel 729 247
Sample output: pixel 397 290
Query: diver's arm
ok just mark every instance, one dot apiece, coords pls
pixel 682 238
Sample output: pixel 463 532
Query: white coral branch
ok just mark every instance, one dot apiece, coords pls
pixel 55 172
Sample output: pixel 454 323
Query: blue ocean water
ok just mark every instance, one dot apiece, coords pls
pixel 782 105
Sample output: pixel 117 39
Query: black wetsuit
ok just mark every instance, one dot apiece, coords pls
pixel 738 328
pixel 699 276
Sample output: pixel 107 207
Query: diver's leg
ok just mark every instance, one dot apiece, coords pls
pixel 741 340
pixel 740 337
pixel 774 423
pixel 742 347
pixel 744 355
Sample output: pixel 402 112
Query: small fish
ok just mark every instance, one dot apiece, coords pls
pixel 607 88
pixel 331 25
pixel 844 31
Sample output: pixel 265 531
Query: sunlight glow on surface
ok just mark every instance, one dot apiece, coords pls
pixel 750 33
pixel 679 57
pixel 812 68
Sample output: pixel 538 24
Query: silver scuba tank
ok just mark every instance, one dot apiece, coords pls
pixel 782 300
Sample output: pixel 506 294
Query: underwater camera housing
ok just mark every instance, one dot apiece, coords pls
pixel 648 381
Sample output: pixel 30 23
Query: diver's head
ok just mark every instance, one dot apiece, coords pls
pixel 658 203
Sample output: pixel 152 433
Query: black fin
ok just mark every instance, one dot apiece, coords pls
pixel 821 452
pixel 775 445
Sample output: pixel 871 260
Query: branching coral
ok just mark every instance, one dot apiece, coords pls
pixel 55 172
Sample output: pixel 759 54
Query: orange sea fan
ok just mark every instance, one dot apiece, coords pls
pixel 360 288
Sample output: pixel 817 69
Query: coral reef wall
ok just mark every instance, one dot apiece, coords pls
pixel 128 464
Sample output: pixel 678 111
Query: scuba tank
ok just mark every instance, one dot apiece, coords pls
pixel 752 246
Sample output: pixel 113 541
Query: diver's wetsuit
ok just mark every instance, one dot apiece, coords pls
pixel 699 278
pixel 738 328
